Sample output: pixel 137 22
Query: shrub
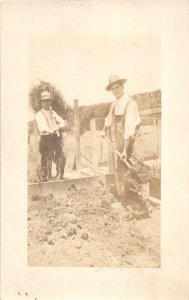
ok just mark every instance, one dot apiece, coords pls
pixel 59 104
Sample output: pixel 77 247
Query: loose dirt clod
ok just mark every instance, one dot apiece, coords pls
pixel 64 236
pixel 50 242
pixel 48 232
pixel 78 245
pixel 71 231
pixel 84 236
pixel 43 238
pixel 94 230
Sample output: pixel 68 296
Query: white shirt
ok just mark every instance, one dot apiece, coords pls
pixel 132 118
pixel 48 121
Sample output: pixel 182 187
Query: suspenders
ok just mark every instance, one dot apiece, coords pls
pixel 53 119
pixel 123 117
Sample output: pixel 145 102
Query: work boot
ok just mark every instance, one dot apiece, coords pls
pixel 58 176
pixel 146 206
pixel 138 215
pixel 143 211
pixel 129 216
pixel 149 206
pixel 43 177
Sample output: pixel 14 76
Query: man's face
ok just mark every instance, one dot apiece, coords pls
pixel 117 90
pixel 46 104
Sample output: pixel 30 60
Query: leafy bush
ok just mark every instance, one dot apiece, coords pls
pixel 59 104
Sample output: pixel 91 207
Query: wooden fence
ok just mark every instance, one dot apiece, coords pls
pixel 91 150
pixel 98 152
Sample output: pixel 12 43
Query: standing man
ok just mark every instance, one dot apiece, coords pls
pixel 123 126
pixel 50 126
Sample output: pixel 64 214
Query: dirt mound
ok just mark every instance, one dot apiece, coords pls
pixel 89 229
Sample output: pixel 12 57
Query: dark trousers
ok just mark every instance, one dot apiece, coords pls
pixel 136 181
pixel 51 149
pixel 135 151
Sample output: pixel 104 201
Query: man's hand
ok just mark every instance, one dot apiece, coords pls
pixel 103 135
pixel 61 129
pixel 107 131
pixel 124 154
pixel 65 129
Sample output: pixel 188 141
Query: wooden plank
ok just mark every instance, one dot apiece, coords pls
pixel 150 111
pixel 94 143
pixel 86 158
pixel 159 137
pixel 63 187
pixel 145 129
pixel 100 171
pixel 150 144
pixel 155 200
pixel 155 137
pixel 77 134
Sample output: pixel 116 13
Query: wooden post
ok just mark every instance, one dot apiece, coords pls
pixel 155 138
pixel 159 137
pixel 111 159
pixel 94 143
pixel 77 134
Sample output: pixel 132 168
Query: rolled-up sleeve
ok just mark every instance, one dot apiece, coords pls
pixel 132 119
pixel 42 124
pixel 108 119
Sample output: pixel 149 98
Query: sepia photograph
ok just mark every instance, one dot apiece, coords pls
pixel 94 151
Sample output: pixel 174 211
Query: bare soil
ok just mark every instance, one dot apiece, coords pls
pixel 90 229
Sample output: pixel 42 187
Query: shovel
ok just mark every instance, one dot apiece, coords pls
pixel 126 162
pixel 116 152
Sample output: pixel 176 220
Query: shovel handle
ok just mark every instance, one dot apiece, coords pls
pixel 117 152
pixel 124 160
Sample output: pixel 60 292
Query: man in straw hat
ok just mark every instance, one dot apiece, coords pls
pixel 50 126
pixel 122 125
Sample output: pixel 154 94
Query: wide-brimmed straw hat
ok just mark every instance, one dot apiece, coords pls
pixel 46 96
pixel 114 79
